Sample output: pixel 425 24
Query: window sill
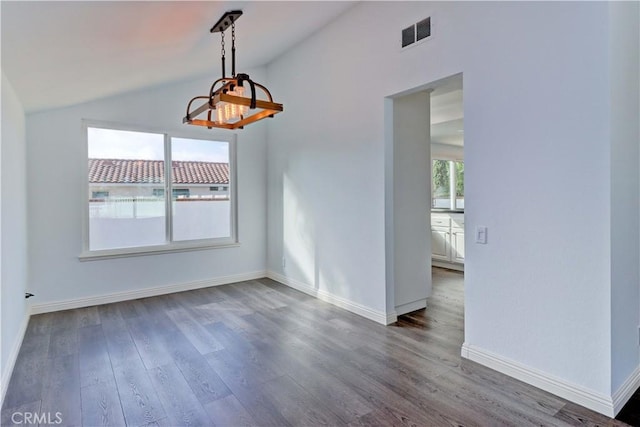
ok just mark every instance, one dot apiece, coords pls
pixel 154 250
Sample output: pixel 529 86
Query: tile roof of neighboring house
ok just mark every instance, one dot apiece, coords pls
pixel 119 171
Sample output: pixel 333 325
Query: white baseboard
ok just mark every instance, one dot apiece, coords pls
pixel 626 390
pixel 359 309
pixel 13 356
pixel 572 392
pixel 142 293
pixel 411 306
pixel 391 318
pixel 449 265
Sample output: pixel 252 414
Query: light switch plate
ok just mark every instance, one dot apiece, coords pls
pixel 481 235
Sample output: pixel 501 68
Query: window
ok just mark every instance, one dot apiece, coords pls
pixel 177 192
pixel 127 211
pixel 99 194
pixel 447 188
pixel 180 193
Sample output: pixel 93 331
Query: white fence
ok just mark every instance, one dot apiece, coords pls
pixel 132 222
pixel 127 207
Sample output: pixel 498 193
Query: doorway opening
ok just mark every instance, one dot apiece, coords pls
pixel 446 302
pixel 447 176
pixel 424 203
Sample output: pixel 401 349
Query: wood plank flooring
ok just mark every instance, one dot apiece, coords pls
pixel 258 353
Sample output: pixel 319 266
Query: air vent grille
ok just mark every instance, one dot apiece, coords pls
pixel 423 29
pixel 408 36
pixel 416 32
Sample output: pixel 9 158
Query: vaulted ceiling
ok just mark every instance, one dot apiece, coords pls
pixel 63 53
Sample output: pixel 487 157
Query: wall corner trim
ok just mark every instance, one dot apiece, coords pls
pixel 359 309
pixel 564 389
pixel 392 317
pixel 13 357
pixel 143 293
pixel 626 390
pixel 411 306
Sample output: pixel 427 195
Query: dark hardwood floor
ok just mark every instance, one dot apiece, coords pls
pixel 258 353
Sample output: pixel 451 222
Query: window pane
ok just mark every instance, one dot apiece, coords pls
pixel 125 171
pixel 440 184
pixel 459 185
pixel 200 201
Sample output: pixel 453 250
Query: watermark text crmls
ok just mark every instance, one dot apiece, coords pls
pixel 41 418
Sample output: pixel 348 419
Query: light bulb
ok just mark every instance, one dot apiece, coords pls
pixel 227 112
pixel 243 108
pixel 220 113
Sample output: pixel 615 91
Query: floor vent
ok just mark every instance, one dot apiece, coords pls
pixel 416 32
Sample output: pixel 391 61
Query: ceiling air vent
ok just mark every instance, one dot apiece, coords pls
pixel 408 36
pixel 423 29
pixel 416 32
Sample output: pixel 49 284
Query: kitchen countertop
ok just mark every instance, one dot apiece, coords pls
pixel 436 210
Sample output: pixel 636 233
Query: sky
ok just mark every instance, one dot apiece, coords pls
pixel 119 144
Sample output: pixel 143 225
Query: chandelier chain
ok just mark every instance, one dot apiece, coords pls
pixel 222 43
pixel 233 33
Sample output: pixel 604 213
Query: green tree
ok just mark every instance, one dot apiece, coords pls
pixel 440 178
pixel 460 179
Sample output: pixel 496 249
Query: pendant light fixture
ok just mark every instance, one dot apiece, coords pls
pixel 233 102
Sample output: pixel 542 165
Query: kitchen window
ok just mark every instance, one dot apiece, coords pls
pixel 447 184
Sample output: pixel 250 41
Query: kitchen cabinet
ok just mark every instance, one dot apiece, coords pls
pixel 440 243
pixel 447 239
pixel 457 245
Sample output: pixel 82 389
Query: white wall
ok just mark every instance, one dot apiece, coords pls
pixel 624 63
pixel 537 166
pixel 56 200
pixel 13 230
pixel 411 199
pixel 537 175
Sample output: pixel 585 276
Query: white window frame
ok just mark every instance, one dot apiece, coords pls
pixel 170 246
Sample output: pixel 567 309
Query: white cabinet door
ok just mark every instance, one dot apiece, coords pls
pixel 440 238
pixel 457 245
